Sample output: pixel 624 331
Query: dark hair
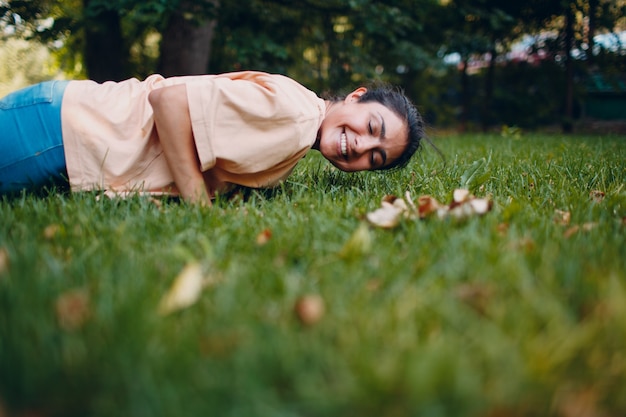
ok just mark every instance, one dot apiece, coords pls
pixel 395 100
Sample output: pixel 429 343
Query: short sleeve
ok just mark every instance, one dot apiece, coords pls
pixel 252 123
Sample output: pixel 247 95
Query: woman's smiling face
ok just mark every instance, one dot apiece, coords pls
pixel 357 136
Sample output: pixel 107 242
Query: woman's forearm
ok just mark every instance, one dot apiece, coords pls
pixel 173 125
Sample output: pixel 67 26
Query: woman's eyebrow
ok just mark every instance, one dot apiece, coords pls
pixel 383 130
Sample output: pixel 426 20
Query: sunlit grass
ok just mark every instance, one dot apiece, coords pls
pixel 513 313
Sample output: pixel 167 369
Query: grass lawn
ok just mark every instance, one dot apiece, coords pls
pixel 520 312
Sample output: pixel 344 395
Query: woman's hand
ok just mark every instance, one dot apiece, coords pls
pixel 173 125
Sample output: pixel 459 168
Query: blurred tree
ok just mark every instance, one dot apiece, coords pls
pixel 187 38
pixel 325 44
pixel 106 54
pixel 473 28
pixel 24 63
pixel 576 22
pixel 328 45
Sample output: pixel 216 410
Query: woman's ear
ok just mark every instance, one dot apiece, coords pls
pixel 356 94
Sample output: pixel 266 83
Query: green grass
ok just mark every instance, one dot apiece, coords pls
pixel 509 314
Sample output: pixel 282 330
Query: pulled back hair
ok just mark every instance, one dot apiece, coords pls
pixel 395 100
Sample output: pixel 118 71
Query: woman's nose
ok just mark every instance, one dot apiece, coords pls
pixel 363 144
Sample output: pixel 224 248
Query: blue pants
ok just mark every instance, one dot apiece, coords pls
pixel 31 139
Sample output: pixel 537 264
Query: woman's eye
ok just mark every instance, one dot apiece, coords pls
pixel 371 130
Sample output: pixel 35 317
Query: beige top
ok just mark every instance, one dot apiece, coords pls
pixel 250 128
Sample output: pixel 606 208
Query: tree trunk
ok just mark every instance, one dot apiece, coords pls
pixel 591 33
pixel 105 54
pixel 464 96
pixel 489 82
pixel 186 43
pixel 568 116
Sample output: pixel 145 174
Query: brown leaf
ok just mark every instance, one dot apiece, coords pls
pixel 263 237
pixel 4 260
pixel 373 285
pixel 597 196
pixel 73 309
pixel 475 295
pixel 578 403
pixel 389 198
pixel 461 211
pixel 588 226
pixel 562 217
pixel 526 244
pixel 571 231
pixel 393 209
pixel 427 205
pixel 502 229
pixel 309 309
pixel 51 231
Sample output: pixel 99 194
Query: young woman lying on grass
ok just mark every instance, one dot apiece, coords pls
pixel 194 136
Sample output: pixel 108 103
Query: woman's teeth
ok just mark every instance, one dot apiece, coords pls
pixel 344 144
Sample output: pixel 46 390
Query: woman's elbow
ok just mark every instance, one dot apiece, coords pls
pixel 161 98
pixel 155 97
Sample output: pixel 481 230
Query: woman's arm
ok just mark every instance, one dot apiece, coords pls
pixel 173 125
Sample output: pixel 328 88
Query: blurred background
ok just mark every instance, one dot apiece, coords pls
pixel 470 65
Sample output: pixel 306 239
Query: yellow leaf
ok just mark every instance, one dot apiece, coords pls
pixel 51 231
pixel 309 309
pixel 185 290
pixel 359 243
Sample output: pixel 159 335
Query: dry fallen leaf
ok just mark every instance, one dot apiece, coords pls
pixel 576 228
pixel 578 403
pixel 393 209
pixel 387 216
pixel 185 290
pixel 460 196
pixel 4 260
pixel 263 237
pixel 51 231
pixel 474 295
pixel 373 285
pixel 502 228
pixel 427 205
pixel 571 231
pixel 597 195
pixel 309 309
pixel 588 226
pixel 360 243
pixel 562 217
pixel 73 309
pixel 480 206
pixel 525 244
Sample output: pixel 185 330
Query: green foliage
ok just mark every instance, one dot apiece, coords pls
pixel 512 313
pixel 334 46
pixel 23 63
